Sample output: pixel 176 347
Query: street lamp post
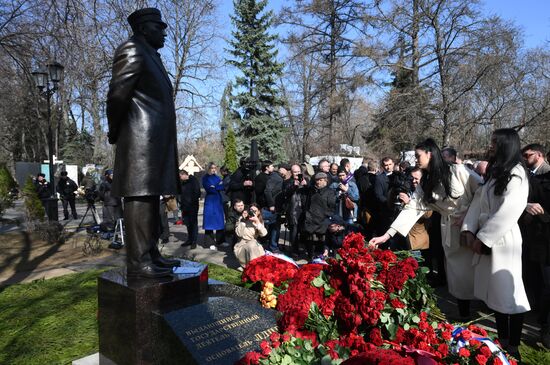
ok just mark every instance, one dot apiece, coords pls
pixel 47 84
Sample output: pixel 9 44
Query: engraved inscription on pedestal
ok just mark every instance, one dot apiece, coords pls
pixel 222 330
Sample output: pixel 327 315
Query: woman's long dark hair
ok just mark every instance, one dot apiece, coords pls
pixel 506 156
pixel 439 172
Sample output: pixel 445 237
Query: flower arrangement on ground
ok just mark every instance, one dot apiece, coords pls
pixel 363 307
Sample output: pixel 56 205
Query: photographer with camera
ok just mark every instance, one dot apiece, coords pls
pixel 112 205
pixel 400 191
pixel 66 189
pixel 347 194
pixel 249 228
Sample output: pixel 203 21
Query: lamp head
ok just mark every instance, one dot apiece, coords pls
pixel 55 70
pixel 40 79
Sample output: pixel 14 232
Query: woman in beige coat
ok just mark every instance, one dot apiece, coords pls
pixel 492 231
pixel 248 229
pixel 447 189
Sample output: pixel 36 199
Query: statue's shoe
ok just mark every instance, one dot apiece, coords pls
pixel 166 263
pixel 149 271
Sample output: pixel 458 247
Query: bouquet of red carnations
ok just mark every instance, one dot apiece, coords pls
pixel 269 268
pixel 366 306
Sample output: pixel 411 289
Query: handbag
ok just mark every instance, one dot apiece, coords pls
pixel 171 204
pixel 349 203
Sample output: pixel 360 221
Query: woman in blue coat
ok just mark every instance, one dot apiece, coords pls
pixel 213 219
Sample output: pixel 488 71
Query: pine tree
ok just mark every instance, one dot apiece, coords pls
pixel 407 107
pixel 33 206
pixel 257 95
pixel 7 184
pixel 230 143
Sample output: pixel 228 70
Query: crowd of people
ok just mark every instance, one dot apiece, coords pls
pixel 482 227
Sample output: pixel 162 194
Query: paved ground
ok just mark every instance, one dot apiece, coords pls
pixel 25 257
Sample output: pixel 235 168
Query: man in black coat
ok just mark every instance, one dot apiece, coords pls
pixel 535 230
pixel 275 204
pixel 42 189
pixel 383 215
pixel 320 205
pixel 142 124
pixel 66 188
pixel 241 185
pixel 231 220
pixel 261 181
pixel 189 205
pixel 295 191
pixel 112 205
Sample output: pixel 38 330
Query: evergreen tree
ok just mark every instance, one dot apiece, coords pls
pixel 7 184
pixel 79 147
pixel 33 206
pixel 230 144
pixel 408 107
pixel 257 96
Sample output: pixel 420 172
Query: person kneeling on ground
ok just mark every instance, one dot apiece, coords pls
pixel 249 227
pixel 337 230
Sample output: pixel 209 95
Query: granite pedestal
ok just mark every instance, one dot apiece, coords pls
pixel 127 306
pixel 220 331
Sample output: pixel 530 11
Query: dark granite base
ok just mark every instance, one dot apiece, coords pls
pixel 184 320
pixel 219 331
pixel 126 307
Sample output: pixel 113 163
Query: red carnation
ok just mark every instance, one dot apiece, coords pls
pixel 477 330
pixel 379 357
pixel 481 359
pixel 474 343
pixel 498 361
pixel 464 352
pixel 466 335
pixel 266 349
pixel 250 358
pixel 443 349
pixel 396 303
pixel 375 337
pixel 447 335
pixel 485 350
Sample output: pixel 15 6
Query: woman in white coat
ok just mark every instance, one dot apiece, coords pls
pixel 491 230
pixel 248 230
pixel 447 189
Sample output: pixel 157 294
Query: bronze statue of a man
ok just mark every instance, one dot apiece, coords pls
pixel 142 124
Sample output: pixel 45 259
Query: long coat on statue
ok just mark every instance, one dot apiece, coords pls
pixel 142 123
pixel 494 220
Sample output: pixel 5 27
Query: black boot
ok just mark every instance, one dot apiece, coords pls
pixel 164 262
pixel 148 271
pixel 158 260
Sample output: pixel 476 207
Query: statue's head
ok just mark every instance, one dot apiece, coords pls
pixel 148 23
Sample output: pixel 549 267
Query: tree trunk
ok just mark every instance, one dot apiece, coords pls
pixel 415 51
